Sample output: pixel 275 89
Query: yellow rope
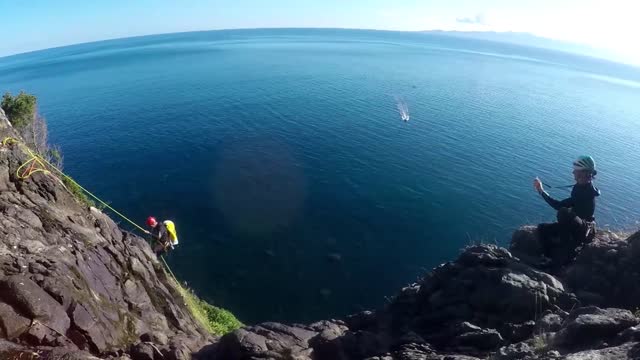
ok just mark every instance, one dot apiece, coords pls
pixel 170 272
pixel 37 159
pixel 6 141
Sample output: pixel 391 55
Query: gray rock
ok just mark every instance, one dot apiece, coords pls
pixel 518 332
pixel 413 352
pixel 549 322
pixel 526 245
pixel 268 339
pixel 605 273
pixel 631 334
pixel 517 351
pixel 589 325
pixel 326 344
pixel 12 325
pixel 66 354
pixel 4 121
pixel 628 351
pixel 28 298
pixel 143 351
pixel 365 320
pixel 485 339
pixel 181 352
pixel 359 345
pixel 485 255
pixel 155 337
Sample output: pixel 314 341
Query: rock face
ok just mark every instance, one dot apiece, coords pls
pixel 486 304
pixel 4 122
pixel 72 284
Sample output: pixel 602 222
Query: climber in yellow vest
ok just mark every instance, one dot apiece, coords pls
pixel 164 235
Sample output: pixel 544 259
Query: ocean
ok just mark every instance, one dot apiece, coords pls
pixel 298 190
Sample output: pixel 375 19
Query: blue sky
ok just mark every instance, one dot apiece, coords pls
pixel 38 24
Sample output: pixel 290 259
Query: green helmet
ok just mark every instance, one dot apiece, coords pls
pixel 585 163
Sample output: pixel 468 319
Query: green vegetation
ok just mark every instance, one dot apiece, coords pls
pixel 56 156
pixel 540 343
pixel 20 109
pixel 77 192
pixel 216 320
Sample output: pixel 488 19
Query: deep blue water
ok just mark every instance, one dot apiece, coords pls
pixel 297 190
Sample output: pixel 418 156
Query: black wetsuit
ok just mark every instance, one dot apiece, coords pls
pixel 575 219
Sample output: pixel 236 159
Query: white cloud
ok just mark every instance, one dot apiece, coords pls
pixel 477 19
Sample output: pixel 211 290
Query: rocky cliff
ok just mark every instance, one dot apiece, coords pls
pixel 73 284
pixel 487 304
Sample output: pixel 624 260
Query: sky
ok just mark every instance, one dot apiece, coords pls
pixel 611 25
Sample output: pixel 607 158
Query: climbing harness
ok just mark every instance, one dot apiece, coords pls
pixel 37 163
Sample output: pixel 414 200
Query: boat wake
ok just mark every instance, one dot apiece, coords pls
pixel 403 109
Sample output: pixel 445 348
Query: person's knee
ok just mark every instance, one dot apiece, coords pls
pixel 564 215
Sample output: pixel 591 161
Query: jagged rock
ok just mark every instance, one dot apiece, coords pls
pixel 359 345
pixel 12 325
pixel 590 325
pixel 177 352
pixel 485 256
pixel 181 347
pixel 83 281
pixel 519 351
pixel 518 332
pixel 605 273
pixel 65 354
pixel 143 351
pixel 549 322
pixel 631 334
pixel 155 337
pixel 12 351
pixel 324 344
pixel 28 298
pixel 628 351
pixel 526 245
pixel 4 121
pixel 413 352
pixel 486 286
pixel 266 340
pixel 485 339
pixel 365 320
pixel 550 355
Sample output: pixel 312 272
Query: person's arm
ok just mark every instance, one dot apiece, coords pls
pixel 556 204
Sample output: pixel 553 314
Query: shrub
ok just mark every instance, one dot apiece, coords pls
pixel 20 109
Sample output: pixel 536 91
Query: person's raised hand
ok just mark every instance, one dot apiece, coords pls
pixel 537 184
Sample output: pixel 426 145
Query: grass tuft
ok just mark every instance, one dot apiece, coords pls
pixel 216 320
pixel 77 192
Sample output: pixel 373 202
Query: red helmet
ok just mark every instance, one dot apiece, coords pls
pixel 151 221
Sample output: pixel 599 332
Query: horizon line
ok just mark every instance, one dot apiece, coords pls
pixel 260 28
pixel 617 61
